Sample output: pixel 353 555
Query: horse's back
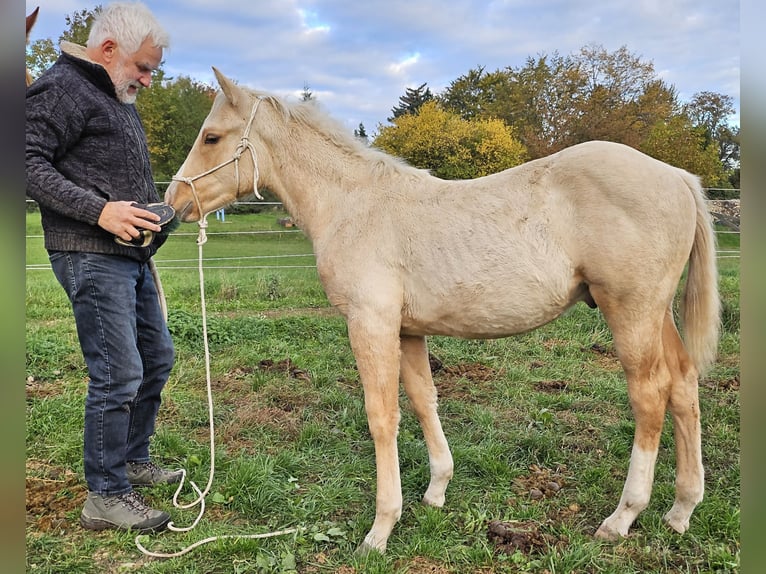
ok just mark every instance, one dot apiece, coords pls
pixel 611 197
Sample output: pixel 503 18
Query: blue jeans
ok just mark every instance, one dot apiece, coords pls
pixel 129 354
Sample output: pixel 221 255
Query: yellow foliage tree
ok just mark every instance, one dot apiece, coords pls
pixel 449 146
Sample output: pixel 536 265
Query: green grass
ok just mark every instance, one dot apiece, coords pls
pixel 293 448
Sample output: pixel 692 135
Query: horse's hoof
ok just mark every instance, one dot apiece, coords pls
pixel 436 502
pixel 366 549
pixel 677 523
pixel 607 534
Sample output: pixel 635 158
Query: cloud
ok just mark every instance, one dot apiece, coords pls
pixel 358 58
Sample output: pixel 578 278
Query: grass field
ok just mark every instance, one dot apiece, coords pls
pixel 539 426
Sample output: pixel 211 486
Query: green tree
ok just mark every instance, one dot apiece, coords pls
pixel 544 103
pixel 78 26
pixel 477 94
pixel 361 133
pixel 172 112
pixel 450 146
pixel 306 95
pixel 411 101
pixel 711 111
pixel 41 53
pixel 553 101
pixel 678 142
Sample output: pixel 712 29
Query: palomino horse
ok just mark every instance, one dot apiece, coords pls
pixel 403 254
pixel 31 19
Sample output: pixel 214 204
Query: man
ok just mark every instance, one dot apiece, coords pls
pixel 87 166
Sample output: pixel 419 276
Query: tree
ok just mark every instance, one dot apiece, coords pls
pixel 411 101
pixel 306 95
pixel 172 112
pixel 79 24
pixel 711 112
pixel 361 133
pixel 40 56
pixel 42 53
pixel 553 101
pixel 679 143
pixel 621 97
pixel 544 103
pixel 450 146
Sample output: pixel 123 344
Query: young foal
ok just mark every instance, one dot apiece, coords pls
pixel 403 255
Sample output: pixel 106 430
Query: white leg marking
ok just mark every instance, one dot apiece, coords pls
pixel 635 495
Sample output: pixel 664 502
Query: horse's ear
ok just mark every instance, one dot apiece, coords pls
pixel 228 87
pixel 31 19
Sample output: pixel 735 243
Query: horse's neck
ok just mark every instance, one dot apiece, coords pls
pixel 315 179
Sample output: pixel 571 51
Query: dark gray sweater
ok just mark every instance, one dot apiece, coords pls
pixel 84 148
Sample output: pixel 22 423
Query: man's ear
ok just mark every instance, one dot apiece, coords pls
pixel 108 50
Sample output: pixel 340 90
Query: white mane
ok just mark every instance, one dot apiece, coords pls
pixel 311 115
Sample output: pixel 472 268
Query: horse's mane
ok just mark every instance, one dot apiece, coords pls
pixel 310 115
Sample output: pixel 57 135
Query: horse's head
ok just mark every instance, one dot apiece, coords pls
pixel 31 19
pixel 222 164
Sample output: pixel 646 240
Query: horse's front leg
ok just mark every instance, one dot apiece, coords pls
pixel 376 348
pixel 419 386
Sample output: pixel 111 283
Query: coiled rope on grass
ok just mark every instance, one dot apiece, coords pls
pixel 201 494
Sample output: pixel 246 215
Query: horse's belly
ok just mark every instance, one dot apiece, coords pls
pixel 484 319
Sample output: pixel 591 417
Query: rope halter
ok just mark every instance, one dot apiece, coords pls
pixel 244 144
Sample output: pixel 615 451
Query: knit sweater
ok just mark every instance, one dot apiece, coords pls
pixel 84 148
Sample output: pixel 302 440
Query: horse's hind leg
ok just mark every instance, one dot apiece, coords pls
pixel 639 346
pixel 659 374
pixel 419 386
pixel 684 407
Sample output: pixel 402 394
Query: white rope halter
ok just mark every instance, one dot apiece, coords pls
pixel 244 144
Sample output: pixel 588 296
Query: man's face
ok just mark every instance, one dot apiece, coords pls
pixel 131 72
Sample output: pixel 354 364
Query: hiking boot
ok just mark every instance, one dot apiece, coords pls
pixel 149 474
pixel 126 511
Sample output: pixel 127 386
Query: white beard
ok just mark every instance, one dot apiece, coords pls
pixel 123 95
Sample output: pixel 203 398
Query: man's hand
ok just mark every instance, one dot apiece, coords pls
pixel 124 220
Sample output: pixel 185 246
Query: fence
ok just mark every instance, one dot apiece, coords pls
pixel 256 261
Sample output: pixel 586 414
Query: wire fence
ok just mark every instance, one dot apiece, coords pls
pixel 296 260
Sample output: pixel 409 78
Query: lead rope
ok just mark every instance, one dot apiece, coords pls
pixel 201 494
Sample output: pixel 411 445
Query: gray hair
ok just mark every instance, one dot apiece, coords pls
pixel 129 24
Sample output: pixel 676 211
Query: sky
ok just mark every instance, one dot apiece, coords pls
pixel 357 57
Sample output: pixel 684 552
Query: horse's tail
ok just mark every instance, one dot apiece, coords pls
pixel 701 301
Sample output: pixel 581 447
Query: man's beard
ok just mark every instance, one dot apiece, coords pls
pixel 121 89
pixel 122 84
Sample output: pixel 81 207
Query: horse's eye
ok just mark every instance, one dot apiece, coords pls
pixel 211 139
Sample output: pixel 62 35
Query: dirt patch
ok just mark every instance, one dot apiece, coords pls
pixel 52 494
pixel 551 386
pixel 606 357
pixel 248 410
pixel 285 366
pixel 724 385
pixel 422 565
pixel 247 415
pixel 41 388
pixel 475 372
pixel 465 382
